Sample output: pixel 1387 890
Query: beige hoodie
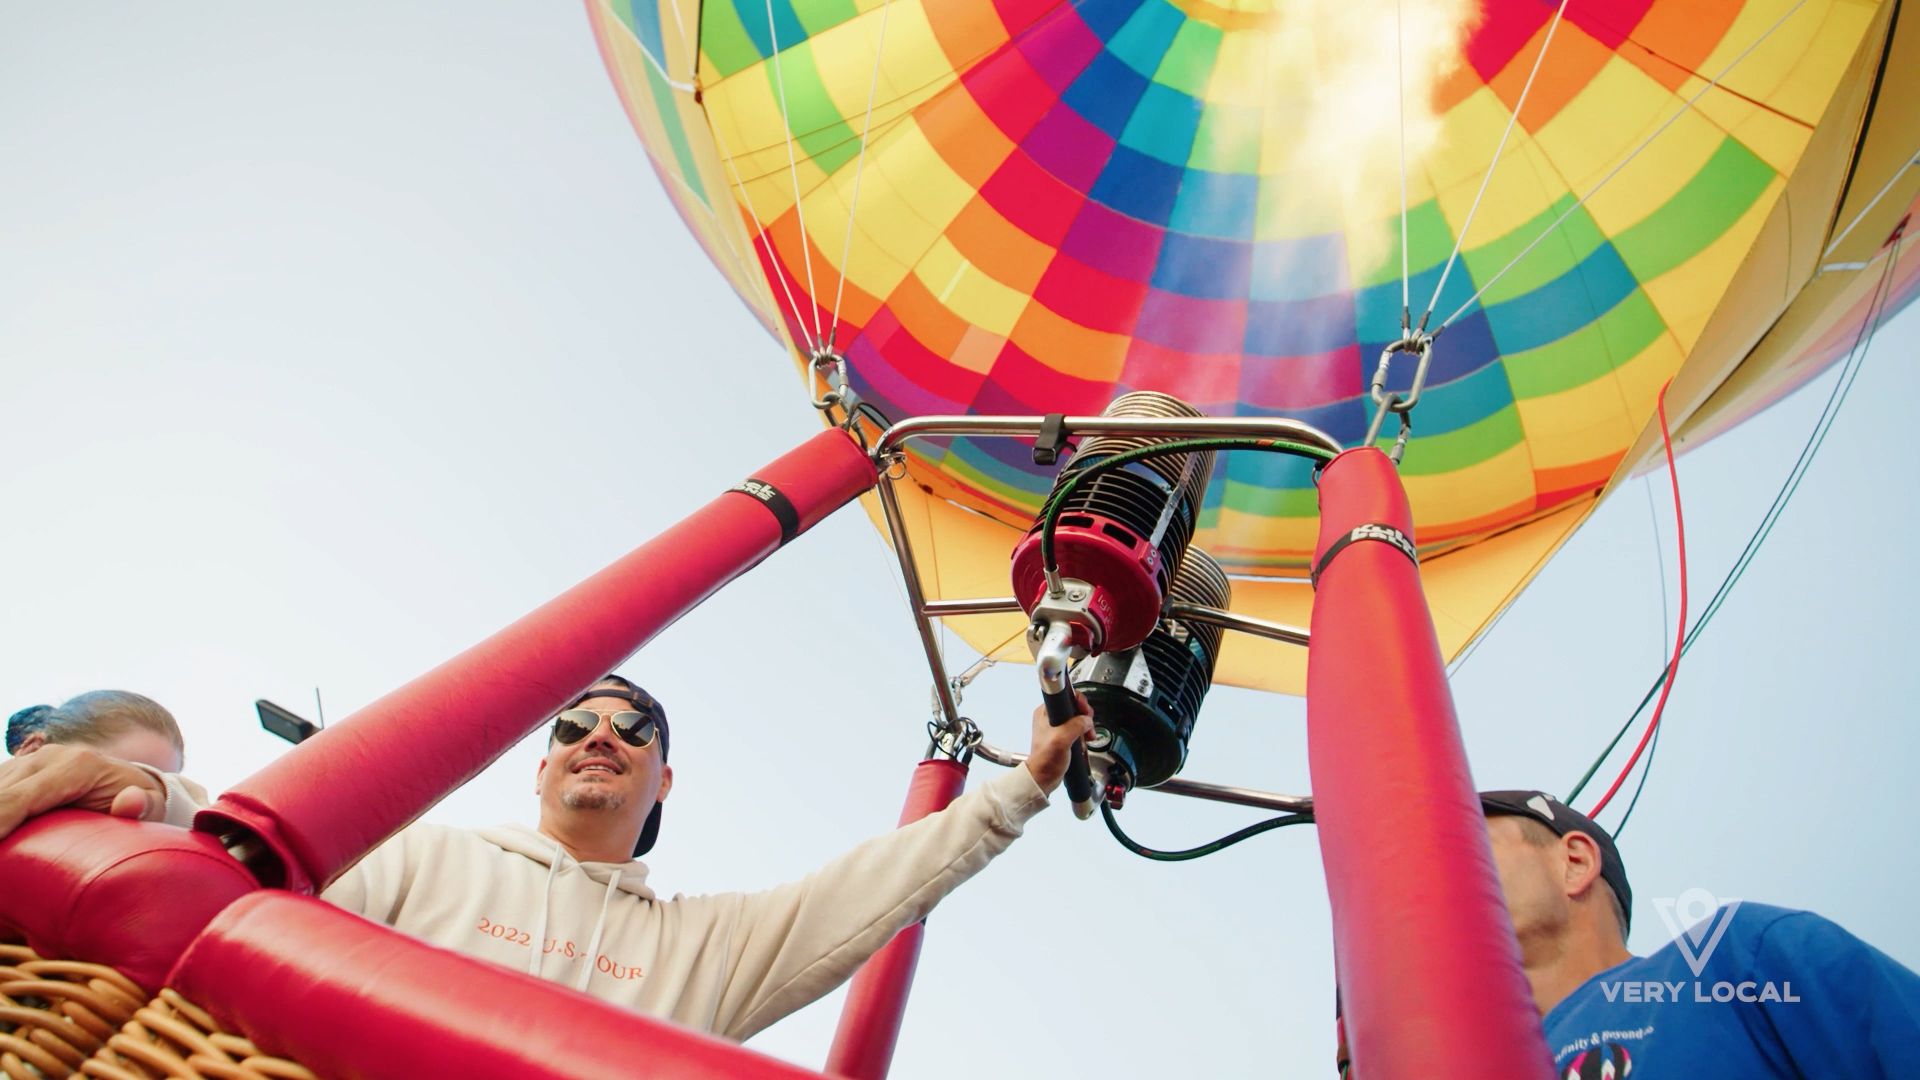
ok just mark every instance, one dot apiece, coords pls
pixel 731 963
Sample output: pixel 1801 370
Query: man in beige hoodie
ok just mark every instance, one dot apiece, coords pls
pixel 570 903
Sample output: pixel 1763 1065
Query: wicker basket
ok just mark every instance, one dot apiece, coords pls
pixel 61 1018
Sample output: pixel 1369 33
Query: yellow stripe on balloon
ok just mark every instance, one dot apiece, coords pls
pixel 1657 174
pixel 1468 134
pixel 1604 123
pixel 1519 189
pixel 1442 502
pixel 1581 424
pixel 1684 304
pixel 969 291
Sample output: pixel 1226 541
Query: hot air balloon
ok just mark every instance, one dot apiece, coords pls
pixel 1033 207
pixel 1568 219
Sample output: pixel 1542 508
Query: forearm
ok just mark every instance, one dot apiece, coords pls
pixel 797 942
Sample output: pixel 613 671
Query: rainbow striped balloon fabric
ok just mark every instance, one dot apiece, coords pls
pixel 1031 206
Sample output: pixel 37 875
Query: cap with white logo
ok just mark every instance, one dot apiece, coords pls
pixel 1563 819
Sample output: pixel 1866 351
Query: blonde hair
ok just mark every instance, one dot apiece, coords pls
pixel 94 718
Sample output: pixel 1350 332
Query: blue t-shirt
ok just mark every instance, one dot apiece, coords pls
pixel 1778 993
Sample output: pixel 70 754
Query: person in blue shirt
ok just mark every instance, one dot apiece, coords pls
pixel 1751 991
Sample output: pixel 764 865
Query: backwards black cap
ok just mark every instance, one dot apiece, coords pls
pixel 1563 819
pixel 647 703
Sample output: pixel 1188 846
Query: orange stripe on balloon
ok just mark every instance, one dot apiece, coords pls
pixel 966 32
pixel 1675 39
pixel 1068 346
pixel 930 321
pixel 1559 483
pixel 999 247
pixel 1458 85
pixel 963 136
pixel 1571 63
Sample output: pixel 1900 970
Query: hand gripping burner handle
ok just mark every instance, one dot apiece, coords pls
pixel 1054 660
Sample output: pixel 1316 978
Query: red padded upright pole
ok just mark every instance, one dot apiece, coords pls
pixel 338 795
pixel 359 1000
pixel 877 998
pixel 1429 970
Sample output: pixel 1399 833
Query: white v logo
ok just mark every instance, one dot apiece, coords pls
pixel 1697 942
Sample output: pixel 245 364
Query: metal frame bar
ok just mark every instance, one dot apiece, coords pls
pixel 890 450
pixel 1180 427
pixel 1192 789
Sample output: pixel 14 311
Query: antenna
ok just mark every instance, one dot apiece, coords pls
pixel 319 710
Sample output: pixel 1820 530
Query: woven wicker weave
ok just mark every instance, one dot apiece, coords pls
pixel 61 1018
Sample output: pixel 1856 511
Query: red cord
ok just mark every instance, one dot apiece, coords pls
pixel 1679 638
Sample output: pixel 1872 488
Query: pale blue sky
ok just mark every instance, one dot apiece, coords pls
pixel 333 338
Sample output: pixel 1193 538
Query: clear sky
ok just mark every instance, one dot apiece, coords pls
pixel 335 337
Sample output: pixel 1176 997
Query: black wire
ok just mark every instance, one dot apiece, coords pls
pixel 1652 749
pixel 873 413
pixel 1843 385
pixel 1227 841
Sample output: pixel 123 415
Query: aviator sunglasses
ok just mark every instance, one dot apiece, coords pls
pixel 636 729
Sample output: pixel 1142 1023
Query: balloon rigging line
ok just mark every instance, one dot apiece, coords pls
pixel 793 169
pixel 680 24
pixel 1880 300
pixel 1653 748
pixel 1685 106
pixel 853 203
pixel 1513 119
pixel 933 552
pixel 1912 160
pixel 726 237
pixel 1679 641
pixel 780 271
pixel 1659 562
pixel 1400 101
pixel 1639 786
pixel 1830 409
pixel 1474 645
pixel 661 67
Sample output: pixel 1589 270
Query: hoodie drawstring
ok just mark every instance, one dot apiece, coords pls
pixel 540 935
pixel 593 945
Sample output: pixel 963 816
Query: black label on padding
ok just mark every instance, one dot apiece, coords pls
pixel 1385 534
pixel 776 503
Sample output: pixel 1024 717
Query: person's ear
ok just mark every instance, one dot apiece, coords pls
pixel 666 783
pixel 34 741
pixel 539 775
pixel 1582 863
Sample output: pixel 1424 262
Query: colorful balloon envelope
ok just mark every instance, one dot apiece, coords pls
pixel 1028 206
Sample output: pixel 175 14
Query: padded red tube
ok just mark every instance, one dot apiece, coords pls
pixel 877 998
pixel 355 999
pixel 1430 973
pixel 84 886
pixel 332 799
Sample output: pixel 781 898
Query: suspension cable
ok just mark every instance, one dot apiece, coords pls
pixel 793 169
pixel 780 271
pixel 1486 178
pixel 1400 74
pixel 859 165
